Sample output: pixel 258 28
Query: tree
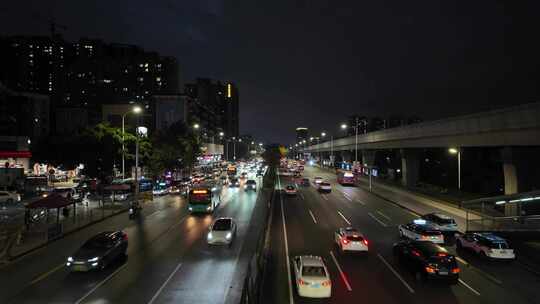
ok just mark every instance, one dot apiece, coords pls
pixel 173 148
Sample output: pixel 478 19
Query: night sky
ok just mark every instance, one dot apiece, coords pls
pixel 313 62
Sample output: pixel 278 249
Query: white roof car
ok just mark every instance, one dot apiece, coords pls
pixel 420 230
pixel 350 239
pixel 441 221
pixel 312 277
pixel 291 190
pixel 222 231
pixel 318 180
pixel 487 245
pixel 9 197
pixel 325 187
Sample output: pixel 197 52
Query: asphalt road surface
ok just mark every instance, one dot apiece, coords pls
pixel 168 259
pixel 304 224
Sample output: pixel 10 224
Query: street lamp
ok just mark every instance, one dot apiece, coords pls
pixel 134 110
pixel 142 132
pixel 458 152
pixel 196 126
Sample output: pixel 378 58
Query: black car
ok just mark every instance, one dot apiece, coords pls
pixel 99 251
pixel 305 182
pixel 233 182
pixel 427 260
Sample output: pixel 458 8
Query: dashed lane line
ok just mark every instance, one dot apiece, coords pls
pixel 378 220
pixel 344 218
pixel 469 287
pixel 341 273
pixel 156 295
pixel 312 216
pixel 396 273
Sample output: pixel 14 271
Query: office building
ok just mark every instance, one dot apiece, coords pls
pixel 302 133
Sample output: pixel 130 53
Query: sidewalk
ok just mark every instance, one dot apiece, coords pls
pixel 36 235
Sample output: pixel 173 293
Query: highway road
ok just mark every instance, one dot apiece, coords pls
pixel 304 224
pixel 168 259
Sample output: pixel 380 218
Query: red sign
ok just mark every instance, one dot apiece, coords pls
pixel 15 154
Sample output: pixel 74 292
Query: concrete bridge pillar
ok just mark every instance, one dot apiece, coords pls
pixel 509 157
pixel 410 167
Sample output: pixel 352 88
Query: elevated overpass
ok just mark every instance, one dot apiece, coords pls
pixel 512 129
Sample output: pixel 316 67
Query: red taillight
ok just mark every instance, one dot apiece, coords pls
pixel 326 283
pixel 365 242
pixel 302 282
pixel 124 236
pixel 430 269
pixel 416 253
pixel 455 270
pixel 441 254
pixel 345 241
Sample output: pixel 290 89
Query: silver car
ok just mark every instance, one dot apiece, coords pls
pixel 222 231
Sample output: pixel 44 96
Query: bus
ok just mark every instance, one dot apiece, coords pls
pixel 202 199
pixel 345 178
pixel 231 170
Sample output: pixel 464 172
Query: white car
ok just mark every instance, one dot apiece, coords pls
pixel 317 180
pixel 222 231
pixel 419 230
pixel 350 239
pixel 9 197
pixel 487 245
pixel 290 190
pixel 441 222
pixel 324 187
pixel 312 278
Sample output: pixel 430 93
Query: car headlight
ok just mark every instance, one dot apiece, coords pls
pixel 190 209
pixel 210 235
pixel 93 259
pixel 228 236
pixel 70 259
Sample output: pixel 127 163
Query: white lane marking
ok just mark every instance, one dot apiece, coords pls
pixel 291 299
pixel 312 216
pixel 344 218
pixel 302 196
pixel 469 287
pixel 341 273
pixel 359 201
pixel 378 220
pixel 384 215
pixel 164 284
pixel 324 196
pixel 462 261
pixel 347 197
pixel 395 273
pixel 100 284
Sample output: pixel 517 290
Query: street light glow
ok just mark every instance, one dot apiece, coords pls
pixel 221 134
pixel 137 109
pixel 196 126
pixel 260 144
pixel 343 126
pixel 453 150
pixel 323 134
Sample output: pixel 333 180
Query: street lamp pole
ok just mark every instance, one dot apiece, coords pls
pixel 458 152
pixel 356 141
pixel 135 110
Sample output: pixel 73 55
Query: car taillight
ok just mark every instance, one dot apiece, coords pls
pixel 326 283
pixel 455 270
pixel 430 269
pixel 365 242
pixel 302 282
pixel 345 241
pixel 125 236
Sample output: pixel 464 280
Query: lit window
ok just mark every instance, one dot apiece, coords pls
pixel 125 89
pixel 141 65
pixel 31 55
pixel 141 79
pixel 146 65
pixel 146 70
pixel 158 79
